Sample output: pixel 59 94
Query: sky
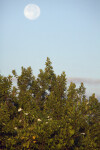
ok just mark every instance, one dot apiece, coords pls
pixel 67 31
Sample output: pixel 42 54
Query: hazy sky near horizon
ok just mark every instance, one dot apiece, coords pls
pixel 67 31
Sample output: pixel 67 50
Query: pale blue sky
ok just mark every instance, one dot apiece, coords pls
pixel 67 31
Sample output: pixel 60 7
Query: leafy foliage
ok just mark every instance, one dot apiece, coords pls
pixel 44 114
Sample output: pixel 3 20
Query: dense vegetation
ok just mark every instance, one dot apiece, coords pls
pixel 44 114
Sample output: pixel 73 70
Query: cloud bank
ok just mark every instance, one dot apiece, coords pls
pixel 84 80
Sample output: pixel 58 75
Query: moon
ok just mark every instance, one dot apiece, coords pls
pixel 32 11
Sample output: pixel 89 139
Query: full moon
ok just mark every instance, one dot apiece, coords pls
pixel 32 11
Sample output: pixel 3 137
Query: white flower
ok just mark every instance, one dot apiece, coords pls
pixel 20 120
pixel 46 122
pixel 20 109
pixel 48 117
pixel 38 119
pixel 15 128
pixel 83 133
pixel 26 114
pixel 87 103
